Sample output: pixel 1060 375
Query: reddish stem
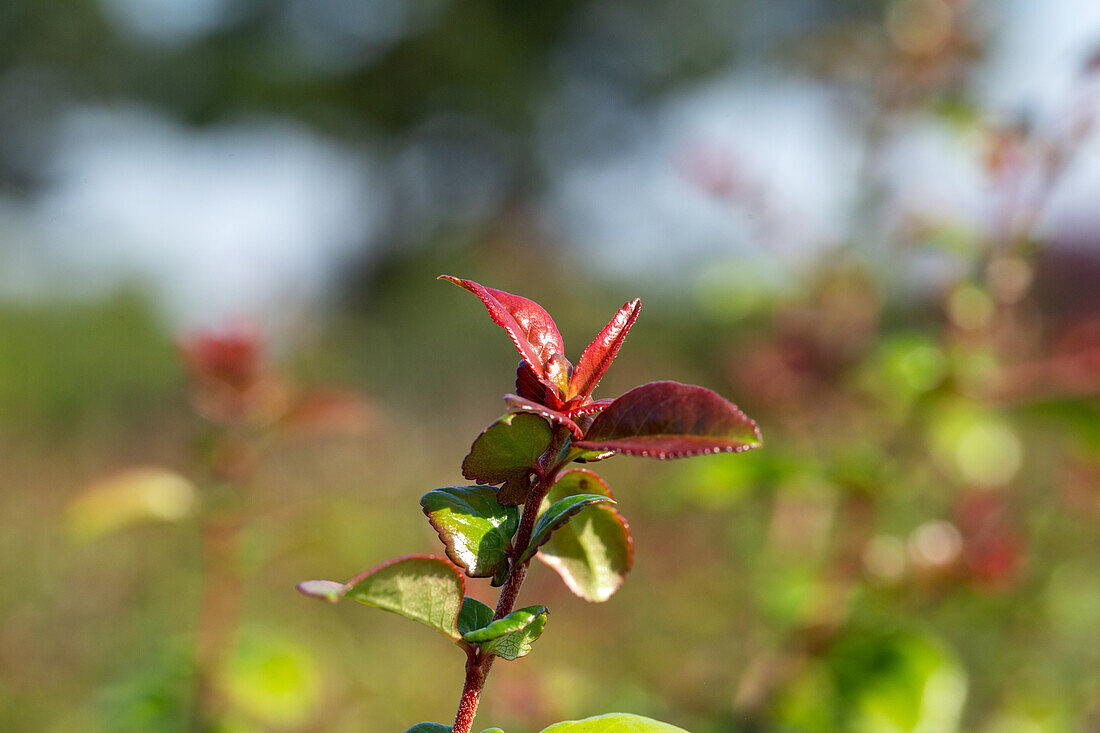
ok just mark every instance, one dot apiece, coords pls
pixel 477 664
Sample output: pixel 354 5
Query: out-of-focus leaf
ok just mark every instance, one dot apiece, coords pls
pixel 559 513
pixel 532 329
pixel 474 528
pixel 614 723
pixel 272 679
pixel 130 497
pixel 671 420
pixel 508 452
pixel 327 412
pixel 512 636
pixel 516 403
pixel 423 588
pixel 594 551
pixel 430 728
pixel 473 616
pixel 599 354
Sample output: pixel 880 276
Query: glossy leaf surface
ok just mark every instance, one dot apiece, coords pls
pixel 559 513
pixel 474 528
pixel 508 452
pixel 671 420
pixel 531 328
pixel 512 636
pixel 423 588
pixel 614 723
pixel 599 354
pixel 594 551
pixel 473 616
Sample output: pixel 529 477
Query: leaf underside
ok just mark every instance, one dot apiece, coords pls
pixel 614 723
pixel 508 453
pixel 423 588
pixel 594 551
pixel 512 636
pixel 671 420
pixel 474 528
pixel 558 515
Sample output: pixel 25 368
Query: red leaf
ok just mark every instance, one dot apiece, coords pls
pixel 591 408
pixel 532 329
pixel 671 420
pixel 599 354
pixel 522 404
pixel 533 387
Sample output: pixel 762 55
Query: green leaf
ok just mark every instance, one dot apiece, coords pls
pixel 474 528
pixel 614 723
pixel 493 730
pixel 508 452
pixel 131 497
pixel 560 512
pixel 594 551
pixel 473 616
pixel 423 588
pixel 430 728
pixel 512 636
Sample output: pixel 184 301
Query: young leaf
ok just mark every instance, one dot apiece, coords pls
pixel 599 354
pixel 508 452
pixel 512 636
pixel 593 552
pixel 516 403
pixel 557 515
pixel 531 386
pixel 474 528
pixel 532 329
pixel 473 616
pixel 426 589
pixel 614 723
pixel 671 420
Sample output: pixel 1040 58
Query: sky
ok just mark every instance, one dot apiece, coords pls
pixel 251 219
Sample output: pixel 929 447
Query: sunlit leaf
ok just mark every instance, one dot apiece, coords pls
pixel 512 636
pixel 474 528
pixel 594 551
pixel 559 513
pixel 508 452
pixel 423 588
pixel 130 497
pixel 532 329
pixel 614 723
pixel 599 354
pixel 671 420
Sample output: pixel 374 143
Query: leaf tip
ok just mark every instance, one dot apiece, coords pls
pixel 325 590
